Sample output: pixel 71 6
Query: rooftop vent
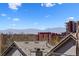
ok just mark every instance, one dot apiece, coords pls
pixel 43 49
pixel 39 52
pixel 26 42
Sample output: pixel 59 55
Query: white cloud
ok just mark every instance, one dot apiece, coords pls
pixel 3 15
pixel 16 19
pixel 71 18
pixel 60 3
pixel 14 6
pixel 48 4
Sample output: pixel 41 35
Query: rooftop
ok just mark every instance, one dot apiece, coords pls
pixel 29 47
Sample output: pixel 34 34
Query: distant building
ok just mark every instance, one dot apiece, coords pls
pixel 43 36
pixel 71 27
pixel 51 38
pixel 55 34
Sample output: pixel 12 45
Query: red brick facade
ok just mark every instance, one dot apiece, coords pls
pixel 42 36
pixel 71 26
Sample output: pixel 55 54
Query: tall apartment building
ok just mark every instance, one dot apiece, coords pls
pixel 71 27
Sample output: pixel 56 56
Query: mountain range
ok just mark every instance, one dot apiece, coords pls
pixel 33 31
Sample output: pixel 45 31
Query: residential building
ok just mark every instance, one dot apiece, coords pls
pixel 43 36
pixel 51 38
pixel 71 27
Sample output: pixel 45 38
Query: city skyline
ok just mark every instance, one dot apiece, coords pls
pixel 37 15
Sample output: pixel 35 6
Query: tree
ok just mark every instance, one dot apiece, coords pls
pixel 55 40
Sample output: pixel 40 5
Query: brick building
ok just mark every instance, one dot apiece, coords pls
pixel 71 27
pixel 52 38
pixel 42 36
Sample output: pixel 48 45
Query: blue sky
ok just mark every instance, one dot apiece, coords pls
pixel 36 15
